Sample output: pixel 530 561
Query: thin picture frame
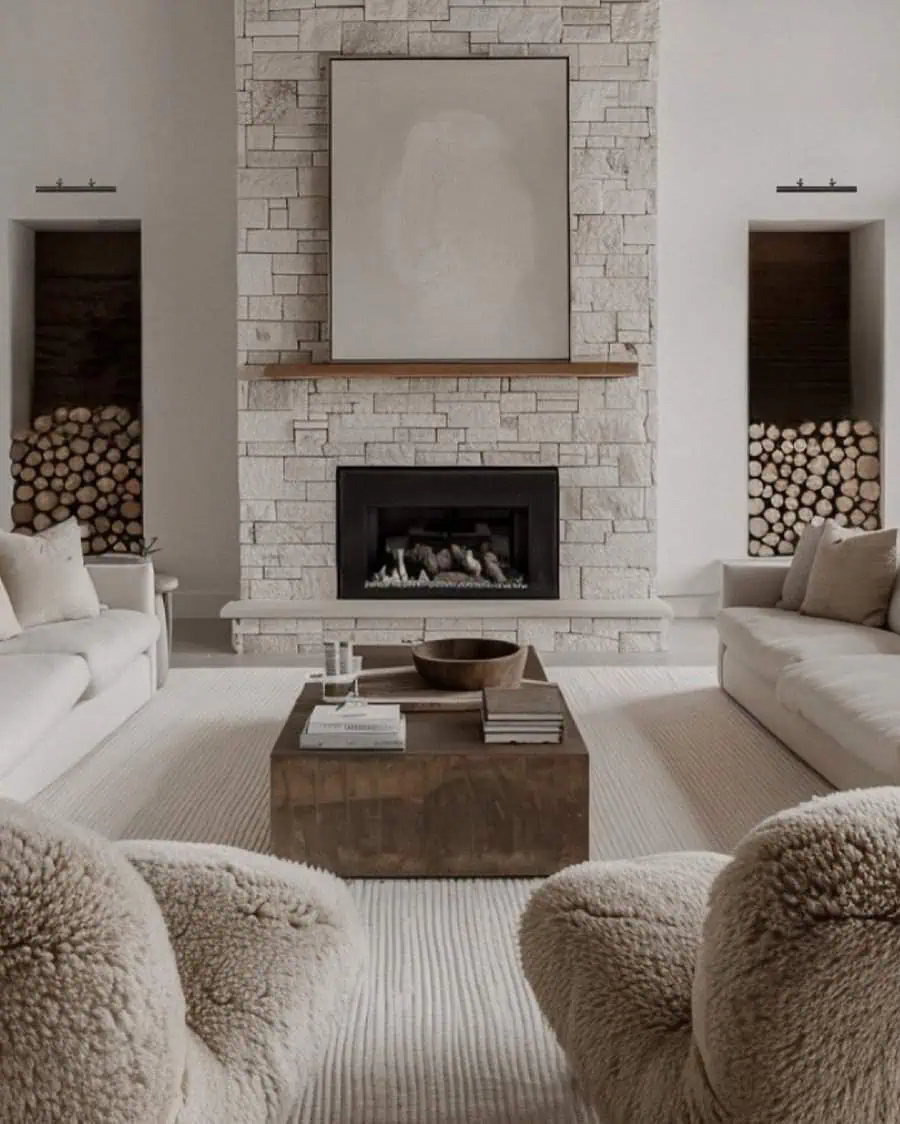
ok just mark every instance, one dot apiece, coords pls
pixel 336 353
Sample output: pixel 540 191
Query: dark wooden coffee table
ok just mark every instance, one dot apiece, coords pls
pixel 448 806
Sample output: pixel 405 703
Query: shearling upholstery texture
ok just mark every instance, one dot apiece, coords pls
pixel 775 1001
pixel 269 952
pixel 162 983
pixel 91 1010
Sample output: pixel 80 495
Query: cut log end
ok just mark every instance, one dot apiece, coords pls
pixel 81 463
pixel 809 472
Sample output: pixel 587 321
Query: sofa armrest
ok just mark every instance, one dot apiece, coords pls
pixel 124 583
pixel 756 584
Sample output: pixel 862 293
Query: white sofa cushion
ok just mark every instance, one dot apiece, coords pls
pixel 45 575
pixel 769 640
pixel 855 699
pixel 108 643
pixel 36 693
pixel 9 622
pixel 893 616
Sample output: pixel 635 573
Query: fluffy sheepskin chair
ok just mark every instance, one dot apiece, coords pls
pixel 162 983
pixel 763 989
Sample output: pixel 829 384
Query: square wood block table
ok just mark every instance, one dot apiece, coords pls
pixel 448 806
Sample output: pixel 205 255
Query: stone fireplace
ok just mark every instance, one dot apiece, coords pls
pixel 447 532
pixel 303 419
pixel 297 435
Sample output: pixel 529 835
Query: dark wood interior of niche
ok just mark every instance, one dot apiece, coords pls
pixel 87 319
pixel 799 330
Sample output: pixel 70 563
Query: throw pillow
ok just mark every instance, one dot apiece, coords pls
pixel 797 578
pixel 893 613
pixel 45 576
pixel 9 622
pixel 852 577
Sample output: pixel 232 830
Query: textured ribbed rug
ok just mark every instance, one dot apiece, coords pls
pixel 445 1031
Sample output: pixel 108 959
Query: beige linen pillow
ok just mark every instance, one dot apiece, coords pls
pixel 852 577
pixel 9 622
pixel 893 613
pixel 45 576
pixel 797 578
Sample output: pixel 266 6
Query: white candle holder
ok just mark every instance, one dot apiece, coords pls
pixel 337 687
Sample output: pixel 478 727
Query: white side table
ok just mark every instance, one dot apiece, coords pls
pixel 166 585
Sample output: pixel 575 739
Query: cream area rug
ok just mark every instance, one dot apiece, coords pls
pixel 444 1030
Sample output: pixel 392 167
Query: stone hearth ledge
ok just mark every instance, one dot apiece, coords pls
pixel 548 368
pixel 293 626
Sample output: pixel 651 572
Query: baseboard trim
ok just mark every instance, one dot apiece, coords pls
pixel 194 604
pixel 693 605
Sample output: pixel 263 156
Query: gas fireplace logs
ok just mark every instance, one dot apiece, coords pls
pixel 827 469
pixel 85 463
pixel 410 561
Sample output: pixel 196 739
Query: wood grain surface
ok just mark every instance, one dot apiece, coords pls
pixel 551 368
pixel 447 806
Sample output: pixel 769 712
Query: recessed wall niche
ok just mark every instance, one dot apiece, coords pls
pixel 76 450
pixel 815 381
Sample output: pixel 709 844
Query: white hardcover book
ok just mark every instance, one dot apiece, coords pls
pixel 355 717
pixel 522 739
pixel 529 727
pixel 351 731
pixel 321 741
pixel 394 740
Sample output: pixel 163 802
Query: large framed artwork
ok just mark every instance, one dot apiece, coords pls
pixel 449 209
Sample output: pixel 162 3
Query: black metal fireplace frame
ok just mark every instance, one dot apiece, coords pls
pixel 362 489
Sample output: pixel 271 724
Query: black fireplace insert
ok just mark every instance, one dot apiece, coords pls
pixel 448 532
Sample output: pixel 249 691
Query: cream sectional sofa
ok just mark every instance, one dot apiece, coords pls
pixel 829 690
pixel 65 686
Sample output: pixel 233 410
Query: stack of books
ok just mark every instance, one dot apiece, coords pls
pixel 355 724
pixel 532 714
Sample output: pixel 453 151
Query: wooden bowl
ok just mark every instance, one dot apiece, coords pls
pixel 470 664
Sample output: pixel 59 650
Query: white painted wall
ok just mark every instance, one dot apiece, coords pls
pixel 752 95
pixel 867 318
pixel 140 94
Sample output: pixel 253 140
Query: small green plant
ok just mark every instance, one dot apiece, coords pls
pixel 144 547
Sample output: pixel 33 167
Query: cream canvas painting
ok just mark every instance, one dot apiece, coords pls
pixel 449 209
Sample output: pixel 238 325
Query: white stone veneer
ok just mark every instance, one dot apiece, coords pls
pixel 293 434
pixel 290 636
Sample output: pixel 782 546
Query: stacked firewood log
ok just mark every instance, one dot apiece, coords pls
pixel 86 463
pixel 817 469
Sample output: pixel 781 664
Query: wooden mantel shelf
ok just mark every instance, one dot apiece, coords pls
pixel 552 368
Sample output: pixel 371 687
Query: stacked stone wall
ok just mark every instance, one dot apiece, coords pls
pixel 294 433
